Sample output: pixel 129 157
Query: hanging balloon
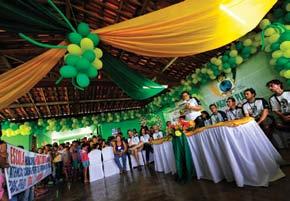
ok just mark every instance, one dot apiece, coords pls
pixel 74 49
pixel 82 80
pixel 75 38
pixel 98 64
pixel 89 55
pixel 71 59
pixel 68 71
pixel 82 64
pixel 98 52
pixel 87 44
pixel 92 72
pixel 95 38
pixel 83 29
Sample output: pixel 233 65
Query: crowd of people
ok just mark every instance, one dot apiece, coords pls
pixel 268 116
pixel 70 161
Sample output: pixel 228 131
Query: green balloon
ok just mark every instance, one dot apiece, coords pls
pixel 275 46
pixel 83 64
pixel 232 60
pixel 75 38
pixel 239 46
pixel 285 36
pixel 225 58
pixel 68 71
pixel 13 126
pixel 83 29
pixel 95 38
pixel 89 55
pixel 71 59
pixel 246 51
pixel 92 72
pixel 226 65
pixel 287 66
pixel 83 80
pixel 287 17
pixel 282 61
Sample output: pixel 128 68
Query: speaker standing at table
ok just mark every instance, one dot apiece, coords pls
pixel 191 109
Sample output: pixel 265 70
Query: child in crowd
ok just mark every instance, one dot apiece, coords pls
pixel 85 161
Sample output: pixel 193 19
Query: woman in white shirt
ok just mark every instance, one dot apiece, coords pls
pixel 157 133
pixel 135 146
pixel 145 139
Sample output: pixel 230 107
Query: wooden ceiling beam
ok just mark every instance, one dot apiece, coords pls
pixel 33 105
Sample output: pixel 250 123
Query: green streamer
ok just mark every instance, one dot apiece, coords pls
pixel 34 42
pixel 59 80
pixel 62 15
pixel 75 85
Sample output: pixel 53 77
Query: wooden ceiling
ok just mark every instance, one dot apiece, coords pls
pixel 47 100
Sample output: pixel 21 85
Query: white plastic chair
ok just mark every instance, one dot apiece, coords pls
pixel 96 166
pixel 110 166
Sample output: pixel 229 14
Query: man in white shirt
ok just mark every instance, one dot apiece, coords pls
pixel 258 108
pixel 217 115
pixel 280 104
pixel 192 109
pixel 233 112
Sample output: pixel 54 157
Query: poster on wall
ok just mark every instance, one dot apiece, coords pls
pixel 26 169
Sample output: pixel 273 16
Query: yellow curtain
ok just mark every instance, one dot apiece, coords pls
pixel 187 28
pixel 17 82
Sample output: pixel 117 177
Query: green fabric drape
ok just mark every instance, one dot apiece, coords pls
pixel 183 159
pixel 133 84
pixel 29 16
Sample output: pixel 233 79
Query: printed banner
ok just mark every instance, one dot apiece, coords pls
pixel 26 169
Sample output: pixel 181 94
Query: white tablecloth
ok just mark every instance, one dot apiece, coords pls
pixel 164 159
pixel 242 154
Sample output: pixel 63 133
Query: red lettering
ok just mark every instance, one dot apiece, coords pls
pixel 17 157
pixel 29 181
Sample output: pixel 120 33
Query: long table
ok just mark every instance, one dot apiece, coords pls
pixel 236 151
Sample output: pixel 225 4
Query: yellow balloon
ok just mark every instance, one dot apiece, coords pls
pixel 285 45
pixel 74 49
pixel 274 38
pixel 277 54
pixel 98 52
pixel 264 23
pixel 257 43
pixel 87 44
pixel 247 42
pixel 213 60
pixel 270 31
pixel 233 53
pixel 288 7
pixel 287 74
pixel 98 64
pixel 282 73
pixel 239 60
pixel 253 50
pixel 286 54
pixel 218 62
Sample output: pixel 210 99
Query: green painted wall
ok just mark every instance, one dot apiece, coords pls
pixel 106 128
pixel 43 139
pixel 25 141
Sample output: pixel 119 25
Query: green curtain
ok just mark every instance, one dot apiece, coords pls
pixel 132 83
pixel 29 16
pixel 183 159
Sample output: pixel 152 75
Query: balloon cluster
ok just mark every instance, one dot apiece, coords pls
pixel 49 125
pixel 281 13
pixel 151 120
pixel 13 129
pixel 277 42
pixel 83 59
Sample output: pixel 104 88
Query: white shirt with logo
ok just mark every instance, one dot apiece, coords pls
pixel 233 114
pixel 145 138
pixel 133 140
pixel 157 135
pixel 255 109
pixel 191 114
pixel 281 103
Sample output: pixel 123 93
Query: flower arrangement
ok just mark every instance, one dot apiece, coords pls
pixel 180 127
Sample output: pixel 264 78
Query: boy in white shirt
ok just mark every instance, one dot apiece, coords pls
pixel 280 104
pixel 135 146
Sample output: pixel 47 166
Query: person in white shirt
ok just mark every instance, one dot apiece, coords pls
pixel 157 133
pixel 258 108
pixel 135 146
pixel 145 139
pixel 217 115
pixel 233 112
pixel 280 104
pixel 192 109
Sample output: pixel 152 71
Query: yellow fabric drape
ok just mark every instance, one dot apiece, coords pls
pixel 187 28
pixel 183 29
pixel 17 82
